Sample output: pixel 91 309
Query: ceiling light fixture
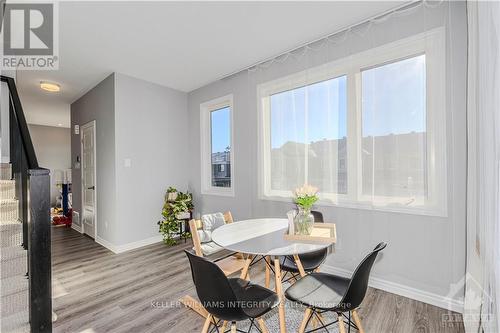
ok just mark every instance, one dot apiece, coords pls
pixel 51 87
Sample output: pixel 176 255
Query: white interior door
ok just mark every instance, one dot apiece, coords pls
pixel 88 179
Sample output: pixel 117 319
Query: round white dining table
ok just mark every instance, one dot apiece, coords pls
pixel 265 237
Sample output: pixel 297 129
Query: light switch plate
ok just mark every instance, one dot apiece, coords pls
pixel 77 129
pixel 127 163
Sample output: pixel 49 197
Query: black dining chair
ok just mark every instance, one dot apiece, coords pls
pixel 310 261
pixel 321 292
pixel 229 299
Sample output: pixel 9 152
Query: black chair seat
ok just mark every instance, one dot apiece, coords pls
pixel 318 290
pixel 322 292
pixel 255 300
pixel 228 299
pixel 310 261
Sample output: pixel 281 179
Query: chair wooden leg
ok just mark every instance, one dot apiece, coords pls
pixel 223 327
pixel 244 271
pixel 316 320
pixel 268 271
pixel 357 321
pixel 303 325
pixel 206 326
pixel 233 327
pixel 262 325
pixel 341 324
pixel 279 291
pixel 193 304
pixel 299 265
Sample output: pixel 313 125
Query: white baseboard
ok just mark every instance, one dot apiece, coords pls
pixel 77 227
pixel 129 246
pixel 403 290
pixel 106 244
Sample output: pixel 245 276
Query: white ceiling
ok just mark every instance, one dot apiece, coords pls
pixel 180 45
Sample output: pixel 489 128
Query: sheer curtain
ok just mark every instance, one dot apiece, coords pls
pixel 361 114
pixel 483 223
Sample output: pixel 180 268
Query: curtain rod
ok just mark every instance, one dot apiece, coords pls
pixel 374 17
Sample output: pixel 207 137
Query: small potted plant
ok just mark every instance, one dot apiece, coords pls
pixel 305 197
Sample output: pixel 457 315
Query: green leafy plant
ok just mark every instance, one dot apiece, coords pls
pixel 175 203
pixel 306 196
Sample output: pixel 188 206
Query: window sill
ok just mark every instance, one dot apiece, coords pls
pixel 422 211
pixel 223 192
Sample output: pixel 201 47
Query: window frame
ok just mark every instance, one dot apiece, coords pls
pixel 206 110
pixel 430 43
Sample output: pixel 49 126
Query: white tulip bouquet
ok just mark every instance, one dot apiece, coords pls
pixel 306 196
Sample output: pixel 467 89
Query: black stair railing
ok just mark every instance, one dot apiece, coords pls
pixel 33 193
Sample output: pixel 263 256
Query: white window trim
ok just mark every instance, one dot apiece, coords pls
pixel 432 43
pixel 206 146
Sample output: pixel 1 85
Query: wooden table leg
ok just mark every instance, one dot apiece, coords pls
pixel 357 321
pixel 268 271
pixel 244 271
pixel 279 291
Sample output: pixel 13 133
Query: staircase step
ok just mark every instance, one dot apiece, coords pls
pixel 7 189
pixel 9 209
pixel 14 267
pixel 14 291
pixel 11 233
pixel 13 285
pixel 11 253
pixel 5 171
pixel 16 323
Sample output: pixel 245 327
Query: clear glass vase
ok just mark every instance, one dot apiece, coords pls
pixel 303 221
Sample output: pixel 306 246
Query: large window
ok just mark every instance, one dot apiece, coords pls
pixel 368 130
pixel 308 136
pixel 394 156
pixel 217 153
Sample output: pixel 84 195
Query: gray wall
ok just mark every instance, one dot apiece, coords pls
pixel 53 150
pixel 145 124
pixel 425 252
pixel 4 117
pixel 151 131
pixel 4 123
pixel 98 104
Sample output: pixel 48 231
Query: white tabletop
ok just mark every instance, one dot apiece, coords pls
pixel 261 237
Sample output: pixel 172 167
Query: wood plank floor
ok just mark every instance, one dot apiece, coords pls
pixel 97 291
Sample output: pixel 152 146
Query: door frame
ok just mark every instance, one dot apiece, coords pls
pixel 82 128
